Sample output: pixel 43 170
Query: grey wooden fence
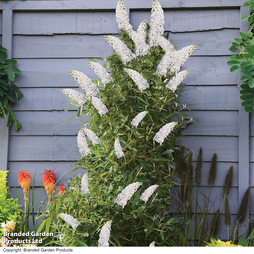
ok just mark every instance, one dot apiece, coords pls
pixel 48 38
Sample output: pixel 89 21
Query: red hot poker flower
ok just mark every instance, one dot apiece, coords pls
pixel 24 180
pixel 48 181
pixel 61 189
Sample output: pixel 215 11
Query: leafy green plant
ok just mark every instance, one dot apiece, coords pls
pixel 9 207
pixel 219 243
pixel 133 135
pixel 245 60
pixel 8 91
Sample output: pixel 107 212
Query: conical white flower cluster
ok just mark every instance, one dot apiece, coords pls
pixel 74 95
pixel 82 144
pixel 179 57
pixel 121 49
pixel 138 79
pixel 118 149
pixel 148 192
pixel 138 118
pixel 97 103
pixel 85 83
pixel 141 48
pixel 156 23
pixel 84 184
pixel 164 131
pixel 127 193
pixel 70 220
pixel 100 72
pixel 164 64
pixel 176 80
pixel 142 29
pixel 165 44
pixel 122 17
pixel 152 244
pixel 105 234
pixel 92 136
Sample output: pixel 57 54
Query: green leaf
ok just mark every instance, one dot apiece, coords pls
pixel 246 73
pixel 244 18
pixel 11 98
pixel 249 109
pixel 250 50
pixel 233 48
pixel 251 83
pixel 231 63
pixel 243 35
pixel 14 69
pixel 238 40
pixel 142 179
pixel 150 230
pixel 41 226
pixel 11 75
pixel 234 68
pixel 247 103
pixel 241 48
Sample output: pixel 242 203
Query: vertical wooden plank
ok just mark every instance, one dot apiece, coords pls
pixel 244 140
pixel 6 43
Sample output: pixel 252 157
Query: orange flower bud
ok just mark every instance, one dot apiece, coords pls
pixel 61 189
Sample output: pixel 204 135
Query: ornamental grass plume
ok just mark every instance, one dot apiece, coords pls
pixel 213 170
pixel 48 181
pixel 228 181
pixel 127 193
pixel 105 234
pixel 243 206
pixel 70 220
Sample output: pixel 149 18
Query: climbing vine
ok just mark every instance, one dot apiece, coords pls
pixel 8 91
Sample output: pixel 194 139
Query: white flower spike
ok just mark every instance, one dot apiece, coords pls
pixel 122 17
pixel 85 83
pixel 138 118
pixel 137 79
pixel 148 192
pixel 70 220
pixel 118 149
pixel 176 81
pixel 82 144
pixel 164 132
pixel 152 244
pixel 156 23
pixel 84 184
pixel 74 95
pixel 100 72
pixel 91 135
pixel 127 193
pixel 105 234
pixel 120 48
pixel 180 56
pixel 97 103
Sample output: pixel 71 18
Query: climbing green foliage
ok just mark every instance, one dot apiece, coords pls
pixel 9 92
pixel 244 60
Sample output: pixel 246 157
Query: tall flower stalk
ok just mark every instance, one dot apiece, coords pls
pixel 48 181
pixel 24 179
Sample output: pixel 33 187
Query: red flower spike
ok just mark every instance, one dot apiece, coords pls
pixel 61 189
pixel 24 181
pixel 48 181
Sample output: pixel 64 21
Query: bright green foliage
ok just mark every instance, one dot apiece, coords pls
pixel 245 60
pixel 138 223
pixel 8 91
pixel 9 207
pixel 219 243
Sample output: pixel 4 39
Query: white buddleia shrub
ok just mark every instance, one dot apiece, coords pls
pixel 129 138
